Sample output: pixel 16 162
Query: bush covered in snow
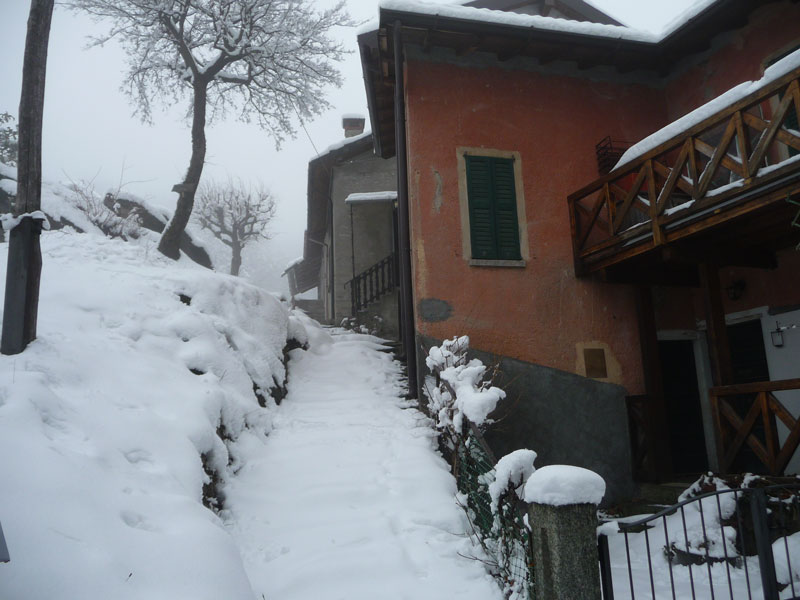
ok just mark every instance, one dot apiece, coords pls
pixel 461 392
pixel 460 398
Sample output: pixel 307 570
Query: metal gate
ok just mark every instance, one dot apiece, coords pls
pixel 727 544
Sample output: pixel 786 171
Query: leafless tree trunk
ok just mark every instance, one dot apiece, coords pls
pixel 24 252
pixel 236 254
pixel 169 245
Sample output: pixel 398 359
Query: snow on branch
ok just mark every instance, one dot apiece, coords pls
pixel 462 389
pixel 264 59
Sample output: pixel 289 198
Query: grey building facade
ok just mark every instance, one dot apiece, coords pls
pixel 350 237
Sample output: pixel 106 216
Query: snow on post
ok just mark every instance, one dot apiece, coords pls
pixel 561 485
pixel 563 518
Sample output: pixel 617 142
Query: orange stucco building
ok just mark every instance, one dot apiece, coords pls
pixel 594 295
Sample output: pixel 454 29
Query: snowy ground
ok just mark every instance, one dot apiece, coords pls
pixel 143 365
pixel 348 498
pixel 104 422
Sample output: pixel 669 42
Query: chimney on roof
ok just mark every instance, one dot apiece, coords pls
pixel 353 125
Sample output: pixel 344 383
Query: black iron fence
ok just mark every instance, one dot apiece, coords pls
pixel 373 283
pixel 729 543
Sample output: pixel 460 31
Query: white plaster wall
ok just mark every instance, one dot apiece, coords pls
pixel 784 363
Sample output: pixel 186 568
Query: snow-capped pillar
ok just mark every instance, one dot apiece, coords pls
pixel 563 519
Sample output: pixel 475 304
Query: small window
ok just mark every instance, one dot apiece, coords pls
pixel 492 200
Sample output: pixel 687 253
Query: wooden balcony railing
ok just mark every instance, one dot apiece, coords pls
pixel 736 161
pixel 746 414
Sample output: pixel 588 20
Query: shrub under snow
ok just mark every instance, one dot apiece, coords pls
pixel 461 389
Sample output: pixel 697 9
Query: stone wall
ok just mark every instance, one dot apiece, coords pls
pixel 565 418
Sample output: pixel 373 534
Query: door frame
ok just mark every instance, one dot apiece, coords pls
pixel 702 365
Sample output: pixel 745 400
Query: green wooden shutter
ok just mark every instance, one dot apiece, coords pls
pixel 492 198
pixel 481 207
pixel 506 224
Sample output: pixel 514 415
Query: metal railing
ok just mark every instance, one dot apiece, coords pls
pixel 373 283
pixel 728 543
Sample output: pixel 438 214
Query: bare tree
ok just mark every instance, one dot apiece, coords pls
pixel 268 59
pixel 236 214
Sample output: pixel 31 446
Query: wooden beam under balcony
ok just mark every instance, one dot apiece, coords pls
pixel 721 184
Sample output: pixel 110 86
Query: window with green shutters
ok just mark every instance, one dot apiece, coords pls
pixel 492 199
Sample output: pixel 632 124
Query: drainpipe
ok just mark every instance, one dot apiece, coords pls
pixel 406 294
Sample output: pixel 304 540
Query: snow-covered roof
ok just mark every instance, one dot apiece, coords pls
pixel 364 197
pixel 679 20
pixel 779 69
pixel 293 263
pixel 486 15
pixel 342 143
pixel 496 17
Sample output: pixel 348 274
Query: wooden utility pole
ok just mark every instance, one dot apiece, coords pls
pixel 24 253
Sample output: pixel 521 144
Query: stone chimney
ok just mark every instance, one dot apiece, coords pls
pixel 353 125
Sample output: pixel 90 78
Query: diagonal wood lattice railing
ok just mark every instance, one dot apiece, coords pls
pixel 754 423
pixel 735 161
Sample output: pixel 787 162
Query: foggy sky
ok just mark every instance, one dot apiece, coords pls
pixel 90 133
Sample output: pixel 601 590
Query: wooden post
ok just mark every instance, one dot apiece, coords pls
pixel 718 349
pixel 21 305
pixel 655 408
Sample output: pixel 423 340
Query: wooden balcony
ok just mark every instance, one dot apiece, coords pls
pixel 745 420
pixel 726 186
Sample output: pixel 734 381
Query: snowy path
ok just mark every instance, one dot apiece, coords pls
pixel 347 498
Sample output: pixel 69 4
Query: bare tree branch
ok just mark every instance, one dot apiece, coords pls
pixel 236 214
pixel 267 59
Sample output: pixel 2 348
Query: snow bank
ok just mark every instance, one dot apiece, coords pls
pixel 141 366
pixel 559 485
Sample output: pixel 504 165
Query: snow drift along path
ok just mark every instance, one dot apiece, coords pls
pixel 348 498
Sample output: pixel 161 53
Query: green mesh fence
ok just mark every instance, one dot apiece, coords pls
pixel 503 534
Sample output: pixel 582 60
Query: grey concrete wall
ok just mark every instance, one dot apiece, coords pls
pixel 365 228
pixel 565 418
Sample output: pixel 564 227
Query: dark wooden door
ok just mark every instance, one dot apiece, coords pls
pixel 682 398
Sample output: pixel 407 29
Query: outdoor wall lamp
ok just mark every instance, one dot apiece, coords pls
pixel 777 333
pixel 736 289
